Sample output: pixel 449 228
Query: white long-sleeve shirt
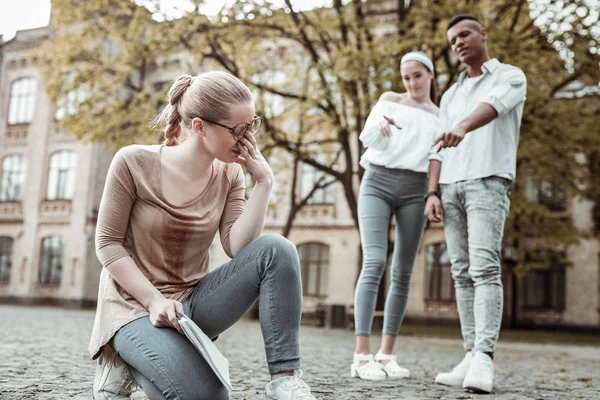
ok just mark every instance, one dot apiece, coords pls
pixel 406 148
pixel 492 149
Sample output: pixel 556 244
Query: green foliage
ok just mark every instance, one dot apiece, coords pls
pixel 104 51
pixel 316 74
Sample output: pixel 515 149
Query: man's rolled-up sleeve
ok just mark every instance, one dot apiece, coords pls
pixel 509 92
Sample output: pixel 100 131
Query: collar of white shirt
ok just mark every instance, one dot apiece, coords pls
pixel 488 67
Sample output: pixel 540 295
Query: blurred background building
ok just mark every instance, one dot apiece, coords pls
pixel 51 186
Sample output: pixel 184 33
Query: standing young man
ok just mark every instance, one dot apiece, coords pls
pixel 480 116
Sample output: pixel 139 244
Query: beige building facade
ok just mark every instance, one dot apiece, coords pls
pixel 51 186
pixel 50 189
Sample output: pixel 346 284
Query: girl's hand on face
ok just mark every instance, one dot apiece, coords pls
pixel 254 160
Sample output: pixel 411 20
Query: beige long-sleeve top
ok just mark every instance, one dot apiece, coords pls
pixel 169 243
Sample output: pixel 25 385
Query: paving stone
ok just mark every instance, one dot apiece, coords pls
pixel 43 356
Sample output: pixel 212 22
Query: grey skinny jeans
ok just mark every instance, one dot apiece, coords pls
pixel 474 215
pixel 167 366
pixel 385 191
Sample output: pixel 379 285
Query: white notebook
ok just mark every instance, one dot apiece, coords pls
pixel 207 349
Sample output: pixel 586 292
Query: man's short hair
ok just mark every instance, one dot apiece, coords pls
pixel 461 17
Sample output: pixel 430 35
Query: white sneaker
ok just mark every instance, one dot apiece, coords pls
pixel 480 377
pixel 113 380
pixel 391 368
pixel 289 388
pixel 455 377
pixel 369 370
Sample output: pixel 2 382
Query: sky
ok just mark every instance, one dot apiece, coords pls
pixel 27 14
pixel 22 14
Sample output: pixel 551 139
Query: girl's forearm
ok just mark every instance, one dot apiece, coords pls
pixel 250 224
pixel 127 274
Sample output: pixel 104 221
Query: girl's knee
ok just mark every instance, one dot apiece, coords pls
pixel 281 249
pixel 373 267
pixel 276 241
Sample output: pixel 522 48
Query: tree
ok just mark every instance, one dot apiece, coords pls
pixel 319 72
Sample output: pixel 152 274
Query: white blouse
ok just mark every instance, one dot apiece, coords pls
pixel 406 148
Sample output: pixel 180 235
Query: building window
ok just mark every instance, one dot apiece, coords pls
pixel 310 177
pixel 61 177
pixel 51 262
pixel 13 177
pixel 67 105
pixel 439 284
pixel 314 265
pixel 22 101
pixel 71 97
pixel 6 258
pixel 547 193
pixel 545 286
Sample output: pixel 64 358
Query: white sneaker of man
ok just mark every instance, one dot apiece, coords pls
pixel 455 377
pixel 113 380
pixel 289 388
pixel 480 377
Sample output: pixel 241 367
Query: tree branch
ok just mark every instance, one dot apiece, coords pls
pixel 517 15
pixel 574 76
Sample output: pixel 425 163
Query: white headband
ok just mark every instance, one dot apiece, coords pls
pixel 418 56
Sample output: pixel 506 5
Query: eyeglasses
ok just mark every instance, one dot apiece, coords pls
pixel 240 130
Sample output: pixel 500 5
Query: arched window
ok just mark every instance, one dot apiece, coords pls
pixel 314 265
pixel 6 258
pixel 13 177
pixel 51 260
pixel 23 94
pixel 61 176
pixel 439 285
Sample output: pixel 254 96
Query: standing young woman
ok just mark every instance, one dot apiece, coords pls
pixel 399 134
pixel 161 208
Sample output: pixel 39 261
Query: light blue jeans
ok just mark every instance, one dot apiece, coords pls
pixel 474 216
pixel 167 366
pixel 384 191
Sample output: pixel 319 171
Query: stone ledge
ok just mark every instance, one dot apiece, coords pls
pixel 55 211
pixel 58 134
pixel 11 211
pixel 317 211
pixel 55 207
pixel 48 301
pixel 441 308
pixel 17 133
pixel 541 315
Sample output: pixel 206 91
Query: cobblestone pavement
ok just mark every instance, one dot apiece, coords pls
pixel 43 356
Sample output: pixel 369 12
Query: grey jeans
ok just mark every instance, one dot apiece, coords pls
pixel 474 216
pixel 167 366
pixel 385 191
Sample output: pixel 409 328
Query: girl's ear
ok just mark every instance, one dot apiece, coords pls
pixel 198 126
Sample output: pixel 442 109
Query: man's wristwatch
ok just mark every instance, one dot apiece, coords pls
pixel 429 194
